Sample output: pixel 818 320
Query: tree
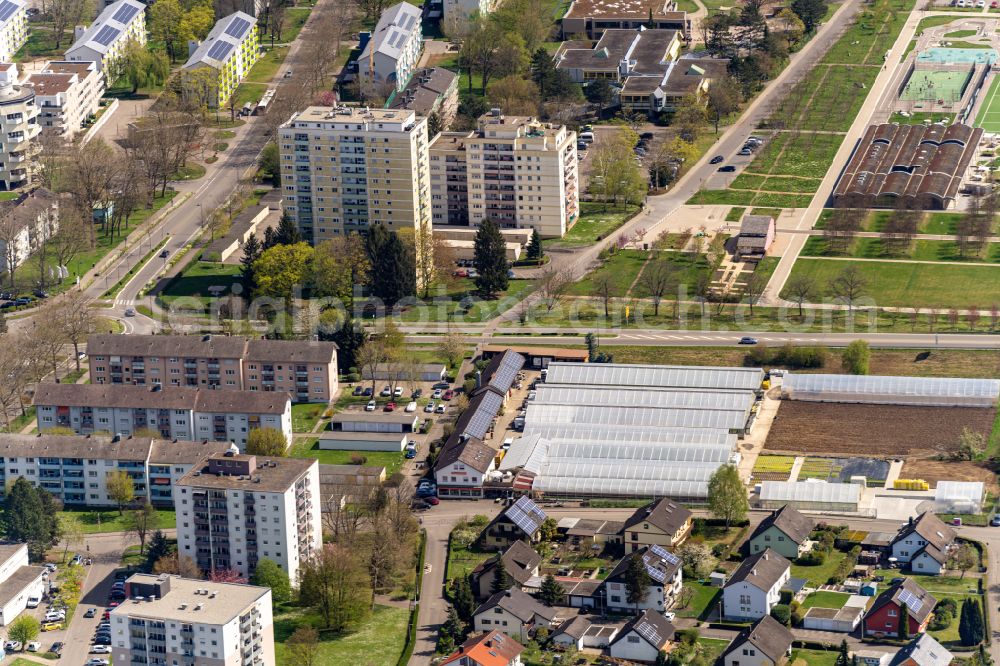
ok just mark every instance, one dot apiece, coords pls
pixel 810 11
pixel 74 320
pixel 490 260
pixel 334 583
pixel 228 575
pixel 754 289
pixel 303 644
pixel 501 581
pixel 534 249
pixel 599 93
pixel 464 601
pixel 971 629
pixel 489 52
pixel 849 286
pixel 453 629
pixel 727 498
pixel 606 288
pixel 266 442
pixel 452 348
pixel 66 14
pixel 166 24
pixel 286 232
pixel 843 655
pixel 139 521
pixel 856 357
pixel 121 489
pixel 903 631
pixel 158 547
pixel 697 560
pixel 269 574
pixel 689 117
pixel 616 177
pixel 800 288
pixel 72 533
pixel 552 285
pixel 962 557
pixel 515 95
pixel 723 98
pixel 637 581
pixel 140 67
pixel 180 565
pixel 393 271
pixel 281 269
pixel 251 253
pixel 551 591
pixel 30 517
pixel 339 264
pixel 24 629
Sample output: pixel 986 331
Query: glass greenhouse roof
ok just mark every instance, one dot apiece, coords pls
pixel 620 375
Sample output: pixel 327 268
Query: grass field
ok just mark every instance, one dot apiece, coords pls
pixel 989 112
pixel 377 640
pixel 825 600
pixel 193 282
pixel 309 448
pixel 702 600
pixel 813 658
pixel 819 574
pixel 596 222
pixel 305 415
pixel 96 522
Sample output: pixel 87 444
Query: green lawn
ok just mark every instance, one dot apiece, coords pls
pixel 813 657
pixel 712 649
pixel 819 574
pixel 622 267
pixel 705 596
pixel 305 415
pixel 596 222
pixel 95 521
pixel 458 298
pixel 197 277
pixel 951 585
pixel 295 18
pixel 378 640
pixel 897 283
pixel 309 448
pixel 825 599
pixel 462 560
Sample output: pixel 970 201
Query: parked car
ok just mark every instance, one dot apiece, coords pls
pixel 370 407
pixel 97 662
pixel 417 393
pixel 995 520
pixel 358 390
pixel 432 500
pixel 34 601
pixel 389 407
pixel 368 392
pixel 398 392
pixel 461 272
pixel 473 274
pixel 717 159
pixel 33 646
pixel 581 145
pixel 386 391
pixel 57 647
pixel 587 136
pixel 51 626
pixel 41 293
pixel 91 612
pixel 437 394
pixel 100 649
pixel 510 273
pixel 164 254
pixel 747 340
pixel 411 406
pixel 745 151
pixel 12 646
pixel 441 385
pixel 429 407
pixel 729 168
pixel 440 408
pixel 448 395
pixel 410 454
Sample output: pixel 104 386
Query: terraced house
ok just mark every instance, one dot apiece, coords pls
pixel 105 40
pixel 228 53
pixel 13 28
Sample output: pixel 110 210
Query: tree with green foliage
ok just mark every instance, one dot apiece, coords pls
pixel 811 12
pixel 24 629
pixel 534 249
pixel 158 547
pixel 393 271
pixel 501 580
pixel 269 574
pixel 280 270
pixel 727 497
pixel 165 22
pixel 303 646
pixel 464 600
pixel 267 442
pixel 856 357
pixel 551 591
pixel 287 233
pixel 637 581
pixel 270 163
pixel 348 335
pixel 971 628
pixel 140 521
pixel 548 530
pixel 141 67
pixel 453 630
pixel 599 93
pixel 251 253
pixel 843 655
pixel 490 260
pixel 903 631
pixel 782 613
pixel 552 83
pixel 28 517
pixel 121 489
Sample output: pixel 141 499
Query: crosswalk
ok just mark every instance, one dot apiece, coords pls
pixel 126 302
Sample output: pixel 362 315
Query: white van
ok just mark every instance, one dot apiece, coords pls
pixel 587 137
pixel 34 601
pixel 412 406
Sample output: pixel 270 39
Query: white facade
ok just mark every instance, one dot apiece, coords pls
pixel 13 28
pixel 633 647
pixel 460 475
pixel 209 425
pixel 67 94
pixel 393 51
pixel 925 564
pixel 19 129
pixel 105 40
pixel 18 581
pixel 658 596
pixel 745 601
pixel 27 223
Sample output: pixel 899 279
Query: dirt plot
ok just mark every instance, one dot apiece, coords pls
pixel 932 470
pixel 871 430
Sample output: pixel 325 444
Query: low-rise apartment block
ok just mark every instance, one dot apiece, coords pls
pixel 67 95
pixel 393 48
pixel 18 581
pixel 519 172
pixel 35 218
pixel 345 168
pixel 590 18
pixel 304 369
pixel 167 619
pixel 105 40
pixel 430 90
pixel 19 129
pixel 234 510
pixel 229 51
pixel 172 412
pixel 13 28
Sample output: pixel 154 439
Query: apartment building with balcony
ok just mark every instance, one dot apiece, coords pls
pixel 33 218
pixel 167 619
pixel 346 168
pixel 518 171
pixel 234 510
pixel 67 94
pixel 228 53
pixel 13 28
pixel 171 412
pixel 305 369
pixel 104 42
pixel 19 129
pixel 393 49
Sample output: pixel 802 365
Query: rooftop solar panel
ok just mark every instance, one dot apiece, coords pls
pixel 410 20
pixel 125 13
pixel 482 419
pixel 911 600
pixel 220 50
pixel 238 28
pixel 648 631
pixel 654 573
pixel 664 554
pixel 526 515
pixel 506 373
pixel 106 35
pixel 7 9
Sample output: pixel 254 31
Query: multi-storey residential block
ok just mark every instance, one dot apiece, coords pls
pixel 174 413
pixel 172 620
pixel 305 369
pixel 235 510
pixel 456 13
pixel 430 90
pixel 74 469
pixel 18 581
pixel 393 49
pixel 519 172
pixel 13 28
pixel 33 218
pixel 229 51
pixel 344 169
pixel 18 129
pixel 67 95
pixel 105 40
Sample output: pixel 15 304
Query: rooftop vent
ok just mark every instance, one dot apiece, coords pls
pixel 199 607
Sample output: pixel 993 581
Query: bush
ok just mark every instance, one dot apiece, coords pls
pixel 813 558
pixel 468 386
pixel 785 596
pixel 782 614
pixel 357 459
pixel 941 620
pixel 947 606
pixel 687 636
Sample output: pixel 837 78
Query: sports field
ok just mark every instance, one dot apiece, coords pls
pixel 929 86
pixel 989 111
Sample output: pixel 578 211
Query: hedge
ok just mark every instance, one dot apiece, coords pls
pixel 411 627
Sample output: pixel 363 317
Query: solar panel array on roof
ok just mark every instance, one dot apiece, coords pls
pixel 482 420
pixel 525 514
pixel 125 14
pixel 106 35
pixel 238 27
pixel 656 574
pixel 220 50
pixel 912 601
pixel 410 20
pixel 664 554
pixel 614 374
pixel 7 9
pixel 648 631
pixel 506 372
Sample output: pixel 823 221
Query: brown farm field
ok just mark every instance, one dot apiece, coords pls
pixel 917 434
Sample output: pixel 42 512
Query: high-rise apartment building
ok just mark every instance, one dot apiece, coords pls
pixel 518 171
pixel 13 28
pixel 171 620
pixel 234 510
pixel 18 129
pixel 344 169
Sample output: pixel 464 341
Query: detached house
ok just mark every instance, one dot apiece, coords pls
pixel 489 649
pixel 522 520
pixel 923 543
pixel 665 579
pixel 882 618
pixel 462 466
pixel 754 589
pixel 643 638
pixel 785 531
pixel 922 651
pixel 662 523
pixel 766 643
pixel 514 613
pixel 520 562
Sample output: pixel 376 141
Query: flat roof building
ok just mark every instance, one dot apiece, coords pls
pixel 68 94
pixel 592 17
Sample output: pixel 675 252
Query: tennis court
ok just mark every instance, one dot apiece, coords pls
pixel 935 86
pixel 989 111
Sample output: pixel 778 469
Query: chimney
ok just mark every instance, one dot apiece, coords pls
pixel 911 520
pixel 78 32
pixel 766 556
pixel 192 46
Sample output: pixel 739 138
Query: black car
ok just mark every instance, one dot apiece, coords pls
pixel 358 390
pixel 7 304
pixel 57 647
pixel 24 300
pixel 716 159
pixel 646 136
pixel 164 254
pixel 367 392
pixel 41 293
pixel 729 168
pixel 417 393
pixel 441 385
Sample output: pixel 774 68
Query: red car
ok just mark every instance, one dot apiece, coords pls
pixel 433 501
pixel 994 4
pixel 389 406
pixel 461 272
pixel 448 395
pixel 114 604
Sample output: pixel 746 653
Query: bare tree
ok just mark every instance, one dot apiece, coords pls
pixel 75 321
pixel 14 237
pixel 658 278
pixel 800 288
pixel 552 286
pixel 90 176
pixel 849 286
pixel 753 290
pixel 605 287
pixel 66 14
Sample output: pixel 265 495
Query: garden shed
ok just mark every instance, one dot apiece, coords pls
pixel 888 390
pixel 810 496
pixel 959 497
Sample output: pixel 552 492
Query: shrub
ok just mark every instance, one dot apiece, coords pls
pixel 358 459
pixel 687 636
pixel 941 620
pixel 949 606
pixel 813 558
pixel 782 613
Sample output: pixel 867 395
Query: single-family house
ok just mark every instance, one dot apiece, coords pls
pixel 462 466
pixel 520 561
pixel 643 638
pixel 665 579
pixel 766 642
pixel 923 543
pixel 513 612
pixel 659 523
pixel 785 531
pixel 755 587
pixel 490 649
pixel 430 90
pixel 571 632
pixel 755 237
pixel 922 651
pixel 873 657
pixel 521 520
pixel 882 618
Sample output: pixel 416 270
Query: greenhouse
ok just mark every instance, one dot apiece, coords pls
pixel 810 496
pixel 652 376
pixel 959 497
pixel 631 435
pixel 643 397
pixel 886 390
pixel 636 416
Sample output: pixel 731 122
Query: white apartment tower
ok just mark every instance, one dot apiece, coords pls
pixel 171 620
pixel 13 27
pixel 344 169
pixel 234 510
pixel 18 129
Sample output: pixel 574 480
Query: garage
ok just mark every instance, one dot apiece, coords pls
pixel 362 441
pixel 844 620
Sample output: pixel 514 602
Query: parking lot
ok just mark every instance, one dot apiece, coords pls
pixel 721 180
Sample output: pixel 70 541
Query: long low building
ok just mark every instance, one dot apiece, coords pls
pixel 173 412
pixel 889 390
pixel 810 496
pixel 620 375
pixel 362 441
pixel 19 581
